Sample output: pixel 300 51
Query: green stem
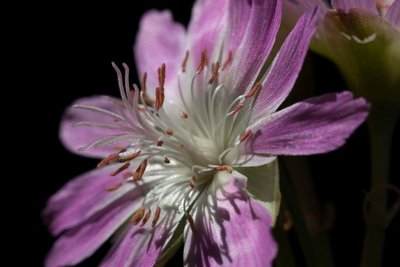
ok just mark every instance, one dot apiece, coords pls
pixel 381 128
pixel 285 257
pixel 314 249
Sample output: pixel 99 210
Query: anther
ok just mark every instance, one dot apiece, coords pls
pixel 108 160
pixel 191 221
pixel 215 73
pixel 236 109
pixel 223 168
pixel 253 90
pixel 137 216
pixel 114 187
pixel 228 61
pixel 184 115
pixel 203 61
pixel 120 169
pixel 156 216
pixel 140 170
pixel 146 217
pixel 129 157
pixel 159 98
pixel 192 182
pixel 166 160
pixel 184 62
pixel 160 142
pixel 161 76
pixel 146 99
pixel 169 132
pixel 245 136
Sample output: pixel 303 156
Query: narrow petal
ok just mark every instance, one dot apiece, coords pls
pixel 393 14
pixel 229 229
pixel 206 28
pixel 75 138
pixel 80 242
pixel 264 19
pixel 88 194
pixel 263 185
pixel 346 5
pixel 160 40
pixel 317 125
pixel 142 245
pixel 285 67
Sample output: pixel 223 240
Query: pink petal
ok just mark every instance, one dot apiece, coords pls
pixel 286 67
pixel 263 20
pixel 231 229
pixel 80 242
pixel 141 246
pixel 75 138
pixel 346 5
pixel 206 28
pixel 393 13
pixel 160 40
pixel 317 125
pixel 84 196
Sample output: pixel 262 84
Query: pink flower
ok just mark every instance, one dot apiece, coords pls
pixel 196 149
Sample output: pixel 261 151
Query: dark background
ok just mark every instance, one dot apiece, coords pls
pixel 70 50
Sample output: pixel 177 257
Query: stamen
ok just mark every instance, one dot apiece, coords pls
pixel 184 62
pixel 191 221
pixel 161 76
pixel 245 136
pixel 160 142
pixel 159 97
pixel 236 109
pixel 146 98
pixel 114 187
pixel 156 216
pixel 166 160
pixel 223 168
pixel 108 160
pixel 192 182
pixel 129 157
pixel 169 132
pixel 184 115
pixel 215 73
pixel 228 61
pixel 137 216
pixel 253 90
pixel 120 169
pixel 203 61
pixel 140 170
pixel 146 217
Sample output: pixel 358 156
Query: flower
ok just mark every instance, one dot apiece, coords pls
pixel 362 37
pixel 197 146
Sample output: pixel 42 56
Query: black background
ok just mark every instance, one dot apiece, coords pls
pixel 69 50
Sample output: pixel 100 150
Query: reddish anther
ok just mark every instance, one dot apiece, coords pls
pixel 228 61
pixel 120 169
pixel 184 62
pixel 146 217
pixel 203 61
pixel 253 90
pixel 156 216
pixel 191 222
pixel 137 216
pixel 108 160
pixel 224 168
pixel 236 109
pixel 215 73
pixel 245 136
pixel 140 170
